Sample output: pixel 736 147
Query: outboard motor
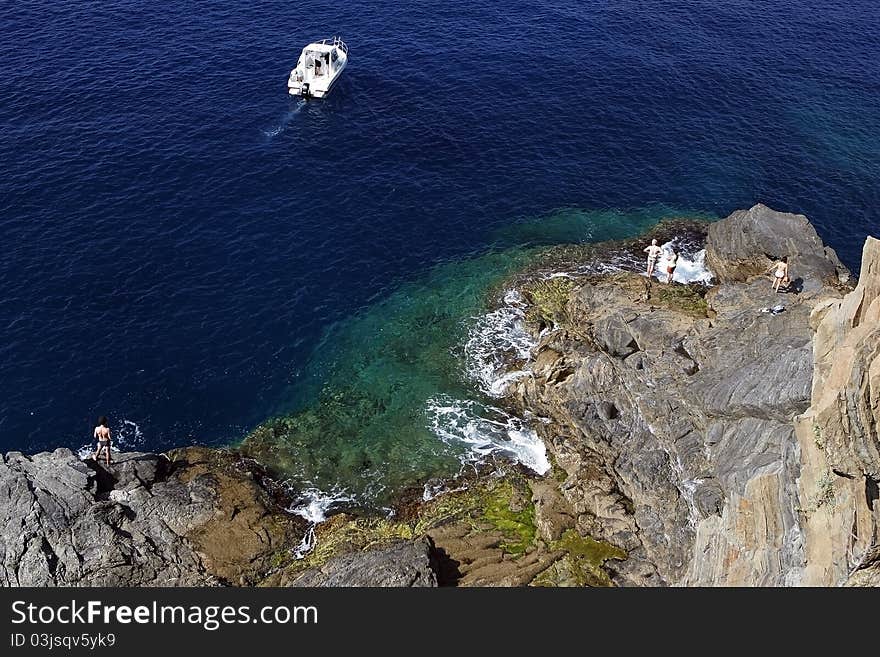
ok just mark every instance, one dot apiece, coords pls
pixel 305 90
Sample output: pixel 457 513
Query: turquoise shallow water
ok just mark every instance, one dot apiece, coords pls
pixel 393 396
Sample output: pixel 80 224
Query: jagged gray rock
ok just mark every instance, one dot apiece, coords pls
pixel 197 517
pixel 145 521
pixel 748 241
pixel 61 528
pixel 402 564
pixel 675 427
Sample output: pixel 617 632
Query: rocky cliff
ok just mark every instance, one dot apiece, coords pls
pixel 190 518
pixel 838 436
pixel 675 422
pixel 701 435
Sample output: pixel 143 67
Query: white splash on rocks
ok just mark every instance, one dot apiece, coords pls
pixel 498 345
pixel 126 437
pixel 314 506
pixel 690 268
pixel 485 430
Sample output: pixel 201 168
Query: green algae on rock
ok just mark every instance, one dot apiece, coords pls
pixel 690 299
pixel 582 564
pixel 508 512
pixel 549 300
pixel 484 534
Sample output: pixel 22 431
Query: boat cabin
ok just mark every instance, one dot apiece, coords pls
pixel 321 58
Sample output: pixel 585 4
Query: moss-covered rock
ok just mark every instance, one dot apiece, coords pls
pixel 485 534
pixel 689 299
pixel 582 564
pixel 549 300
pixel 505 511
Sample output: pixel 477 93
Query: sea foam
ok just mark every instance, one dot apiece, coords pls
pixel 486 430
pixel 498 345
pixel 126 437
pixel 690 268
pixel 314 506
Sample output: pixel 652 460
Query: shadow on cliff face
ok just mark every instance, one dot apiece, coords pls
pixel 872 492
pixel 128 471
pixel 447 568
pixel 796 286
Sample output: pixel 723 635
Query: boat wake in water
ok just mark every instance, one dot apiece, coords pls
pixel 286 120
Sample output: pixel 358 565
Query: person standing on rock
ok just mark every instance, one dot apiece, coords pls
pixel 653 252
pixel 670 266
pixel 780 276
pixel 102 435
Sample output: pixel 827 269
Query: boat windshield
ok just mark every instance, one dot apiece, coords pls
pixel 317 60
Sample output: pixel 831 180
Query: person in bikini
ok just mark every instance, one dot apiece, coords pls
pixel 670 266
pixel 780 275
pixel 653 252
pixel 102 434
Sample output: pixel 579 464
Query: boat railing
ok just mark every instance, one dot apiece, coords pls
pixel 335 41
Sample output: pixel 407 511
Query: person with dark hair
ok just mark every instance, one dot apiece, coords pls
pixel 780 276
pixel 670 266
pixel 102 435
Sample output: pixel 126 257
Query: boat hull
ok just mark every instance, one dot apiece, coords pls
pixel 296 88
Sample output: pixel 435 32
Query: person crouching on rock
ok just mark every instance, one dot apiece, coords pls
pixel 670 266
pixel 653 252
pixel 102 434
pixel 780 276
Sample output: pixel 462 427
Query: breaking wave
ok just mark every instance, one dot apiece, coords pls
pixel 486 430
pixel 690 268
pixel 315 506
pixel 498 345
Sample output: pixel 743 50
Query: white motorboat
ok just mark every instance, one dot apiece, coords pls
pixel 319 67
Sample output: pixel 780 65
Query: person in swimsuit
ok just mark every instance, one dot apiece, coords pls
pixel 780 275
pixel 653 252
pixel 102 434
pixel 670 266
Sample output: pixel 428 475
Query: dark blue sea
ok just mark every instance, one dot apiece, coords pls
pixel 190 251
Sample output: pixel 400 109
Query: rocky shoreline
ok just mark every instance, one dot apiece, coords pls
pixel 697 439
